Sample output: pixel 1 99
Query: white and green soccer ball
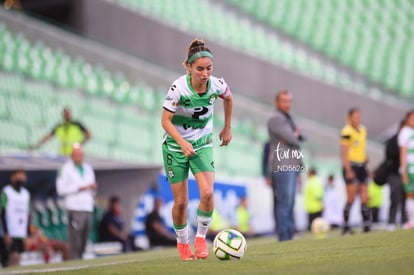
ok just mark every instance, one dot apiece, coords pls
pixel 229 244
pixel 320 227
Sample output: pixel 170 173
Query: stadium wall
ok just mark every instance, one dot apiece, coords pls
pixel 154 40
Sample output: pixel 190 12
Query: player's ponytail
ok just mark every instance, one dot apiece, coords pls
pixel 196 50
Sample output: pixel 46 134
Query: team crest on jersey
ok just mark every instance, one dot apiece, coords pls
pixel 170 172
pixel 213 98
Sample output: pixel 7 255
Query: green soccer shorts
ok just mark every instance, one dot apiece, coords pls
pixel 176 165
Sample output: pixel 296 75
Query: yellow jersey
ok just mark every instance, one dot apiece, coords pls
pixel 356 139
pixel 68 134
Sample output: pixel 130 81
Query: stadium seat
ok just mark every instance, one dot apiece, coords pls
pixel 23 110
pixel 4 109
pixel 374 38
pixel 13 134
pixel 124 118
pixel 235 31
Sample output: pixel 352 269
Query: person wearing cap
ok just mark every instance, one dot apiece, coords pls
pixel 68 132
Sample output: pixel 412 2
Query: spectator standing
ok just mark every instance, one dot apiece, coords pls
pixel 285 137
pixel 112 226
pixel 69 132
pixel 313 197
pixel 15 215
pixel 397 193
pixel 76 183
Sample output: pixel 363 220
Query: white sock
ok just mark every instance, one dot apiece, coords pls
pixel 183 234
pixel 203 224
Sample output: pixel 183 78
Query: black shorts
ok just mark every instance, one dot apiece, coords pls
pixel 17 245
pixel 360 172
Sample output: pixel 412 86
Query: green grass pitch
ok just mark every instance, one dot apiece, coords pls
pixel 373 253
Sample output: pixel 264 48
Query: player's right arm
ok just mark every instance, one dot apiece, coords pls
pixel 44 139
pixel 166 122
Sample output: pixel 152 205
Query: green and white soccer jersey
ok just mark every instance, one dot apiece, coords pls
pixel 193 119
pixel 193 113
pixel 406 139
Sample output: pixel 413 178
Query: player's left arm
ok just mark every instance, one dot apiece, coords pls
pixel 225 134
pixel 86 137
pixel 86 132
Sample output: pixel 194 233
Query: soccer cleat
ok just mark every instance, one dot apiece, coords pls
pixel 367 228
pixel 391 227
pixel 407 225
pixel 346 230
pixel 185 252
pixel 201 248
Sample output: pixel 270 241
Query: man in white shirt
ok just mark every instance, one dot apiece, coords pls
pixel 76 183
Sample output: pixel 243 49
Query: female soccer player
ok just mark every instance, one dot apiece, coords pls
pixel 354 160
pixel 406 144
pixel 188 122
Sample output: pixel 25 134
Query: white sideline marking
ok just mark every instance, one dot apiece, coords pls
pixel 67 268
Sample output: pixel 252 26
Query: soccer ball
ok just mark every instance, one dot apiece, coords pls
pixel 320 227
pixel 229 244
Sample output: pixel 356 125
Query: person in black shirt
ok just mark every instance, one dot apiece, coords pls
pixel 397 193
pixel 157 233
pixel 111 227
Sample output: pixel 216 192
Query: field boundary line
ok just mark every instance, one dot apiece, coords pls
pixel 66 268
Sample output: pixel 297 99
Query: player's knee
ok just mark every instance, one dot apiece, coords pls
pixel 181 204
pixel 207 196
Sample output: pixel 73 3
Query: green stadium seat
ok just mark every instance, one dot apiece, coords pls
pixel 103 128
pixel 124 119
pixel 24 111
pixel 13 134
pixel 356 33
pixel 4 106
